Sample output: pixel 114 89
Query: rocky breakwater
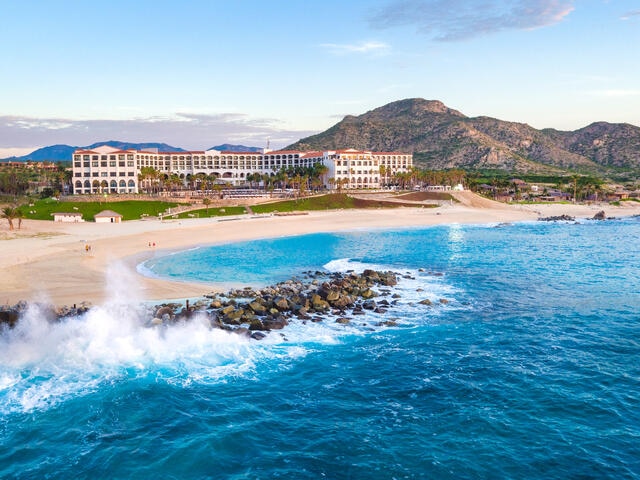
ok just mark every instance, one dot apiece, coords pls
pixel 318 297
pixel 321 295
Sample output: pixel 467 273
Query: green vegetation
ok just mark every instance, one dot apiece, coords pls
pixel 326 202
pixel 130 210
pixel 211 212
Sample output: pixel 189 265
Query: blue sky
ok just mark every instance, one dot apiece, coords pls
pixel 199 73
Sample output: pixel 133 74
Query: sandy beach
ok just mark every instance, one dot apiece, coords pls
pixel 50 262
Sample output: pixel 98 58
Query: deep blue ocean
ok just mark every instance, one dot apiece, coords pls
pixel 530 371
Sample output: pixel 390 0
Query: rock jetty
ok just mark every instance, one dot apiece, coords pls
pixel 557 218
pixel 254 312
pixel 318 297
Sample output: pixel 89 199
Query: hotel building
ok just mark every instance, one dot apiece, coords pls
pixel 110 170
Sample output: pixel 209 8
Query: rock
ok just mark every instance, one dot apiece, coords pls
pixel 227 310
pixel 277 323
pixel 368 293
pixel 9 316
pixel 426 301
pixel 318 303
pixel 600 215
pixel 258 335
pixel 443 301
pixel 257 307
pixel 332 296
pixel 388 323
pixel 164 310
pixel 256 325
pixel 557 218
pixel 281 304
pixel 343 320
pixel 369 305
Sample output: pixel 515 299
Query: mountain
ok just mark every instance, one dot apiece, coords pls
pixel 440 138
pixel 162 147
pixel 227 147
pixel 63 153
pixel 53 153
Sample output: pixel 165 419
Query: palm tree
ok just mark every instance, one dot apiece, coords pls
pixel 206 201
pixel 20 217
pixel 10 213
pixel 383 175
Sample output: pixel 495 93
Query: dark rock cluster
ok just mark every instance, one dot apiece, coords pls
pixel 557 218
pixel 10 314
pixel 253 312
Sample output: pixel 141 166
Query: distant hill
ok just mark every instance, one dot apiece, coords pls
pixel 227 147
pixel 440 137
pixel 63 153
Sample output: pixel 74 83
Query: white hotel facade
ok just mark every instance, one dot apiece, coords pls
pixel 110 170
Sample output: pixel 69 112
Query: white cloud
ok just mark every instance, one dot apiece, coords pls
pixel 370 47
pixel 185 130
pixel 616 93
pixel 630 15
pixel 451 20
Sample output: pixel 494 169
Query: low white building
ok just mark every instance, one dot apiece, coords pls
pixel 67 217
pixel 107 216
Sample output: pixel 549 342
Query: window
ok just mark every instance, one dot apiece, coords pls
pixel 112 163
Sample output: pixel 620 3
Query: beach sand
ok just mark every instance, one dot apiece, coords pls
pixel 49 262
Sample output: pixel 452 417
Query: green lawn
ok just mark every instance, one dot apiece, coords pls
pixel 325 202
pixel 130 209
pixel 213 212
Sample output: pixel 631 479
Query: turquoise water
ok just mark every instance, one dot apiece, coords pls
pixel 532 370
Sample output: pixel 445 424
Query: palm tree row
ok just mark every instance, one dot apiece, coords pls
pixel 419 177
pixel 11 213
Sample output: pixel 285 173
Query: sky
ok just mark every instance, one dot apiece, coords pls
pixel 195 74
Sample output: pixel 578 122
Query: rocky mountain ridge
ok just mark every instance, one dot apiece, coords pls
pixel 441 137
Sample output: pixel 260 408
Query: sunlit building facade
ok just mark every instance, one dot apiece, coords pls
pixel 110 170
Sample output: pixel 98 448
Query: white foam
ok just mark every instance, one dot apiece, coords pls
pixel 42 363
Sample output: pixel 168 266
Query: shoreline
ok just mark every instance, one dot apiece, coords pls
pixel 47 262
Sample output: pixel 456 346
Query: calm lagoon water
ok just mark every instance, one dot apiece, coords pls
pixel 532 370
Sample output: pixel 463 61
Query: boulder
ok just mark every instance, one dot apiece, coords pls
pixel 257 307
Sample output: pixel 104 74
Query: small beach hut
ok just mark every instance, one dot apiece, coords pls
pixel 107 216
pixel 68 217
